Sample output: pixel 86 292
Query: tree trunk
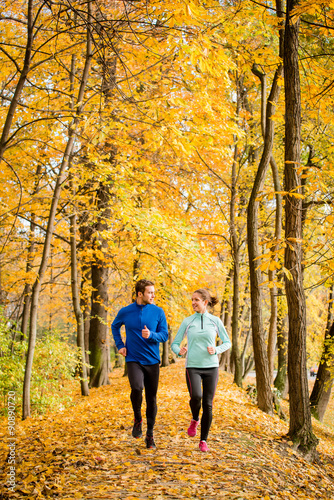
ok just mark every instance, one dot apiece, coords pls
pixel 300 430
pixel 245 315
pixel 246 365
pixel 323 384
pixel 235 351
pixel 85 297
pixel 273 302
pixel 225 316
pixel 263 381
pixel 86 319
pixel 170 340
pixel 165 354
pixel 280 381
pixel 272 336
pixel 225 306
pixel 98 331
pixel 27 286
pixel 75 286
pixel 235 252
pixel 118 358
pixel 49 231
pixel 30 257
pixel 77 309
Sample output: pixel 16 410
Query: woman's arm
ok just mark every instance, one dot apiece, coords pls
pixel 178 338
pixel 224 338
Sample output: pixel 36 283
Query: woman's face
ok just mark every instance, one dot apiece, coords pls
pixel 199 305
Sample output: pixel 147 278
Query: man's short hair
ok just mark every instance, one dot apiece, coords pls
pixel 141 285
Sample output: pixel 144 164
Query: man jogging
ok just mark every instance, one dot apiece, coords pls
pixel 145 326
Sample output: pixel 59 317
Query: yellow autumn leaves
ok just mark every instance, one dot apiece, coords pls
pixel 87 451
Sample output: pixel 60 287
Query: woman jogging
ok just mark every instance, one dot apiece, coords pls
pixel 202 364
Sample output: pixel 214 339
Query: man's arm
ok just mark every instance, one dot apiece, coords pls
pixel 161 335
pixel 116 330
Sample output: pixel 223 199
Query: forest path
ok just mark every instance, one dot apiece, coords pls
pixel 87 451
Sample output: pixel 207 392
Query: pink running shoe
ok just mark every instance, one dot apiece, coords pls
pixel 192 429
pixel 203 446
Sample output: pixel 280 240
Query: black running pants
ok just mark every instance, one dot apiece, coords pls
pixel 141 376
pixel 198 378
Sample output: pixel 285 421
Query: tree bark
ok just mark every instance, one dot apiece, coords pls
pixel 300 429
pixel 98 331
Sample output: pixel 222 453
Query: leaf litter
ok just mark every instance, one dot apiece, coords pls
pixel 87 451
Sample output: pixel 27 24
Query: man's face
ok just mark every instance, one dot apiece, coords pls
pixel 148 296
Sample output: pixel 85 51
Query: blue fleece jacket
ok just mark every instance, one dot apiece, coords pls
pixel 135 317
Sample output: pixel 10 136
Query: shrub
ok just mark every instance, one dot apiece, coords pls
pixel 12 361
pixel 54 365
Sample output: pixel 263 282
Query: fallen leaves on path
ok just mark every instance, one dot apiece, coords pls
pixel 87 451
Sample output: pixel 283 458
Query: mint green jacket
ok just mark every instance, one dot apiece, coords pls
pixel 201 331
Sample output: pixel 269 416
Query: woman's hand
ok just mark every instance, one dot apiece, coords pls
pixel 211 349
pixel 183 350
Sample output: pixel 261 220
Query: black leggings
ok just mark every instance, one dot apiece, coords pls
pixel 195 378
pixel 141 376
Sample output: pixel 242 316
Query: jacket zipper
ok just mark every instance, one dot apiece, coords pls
pixel 202 321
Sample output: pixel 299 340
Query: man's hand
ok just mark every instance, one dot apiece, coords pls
pixel 146 332
pixel 122 351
